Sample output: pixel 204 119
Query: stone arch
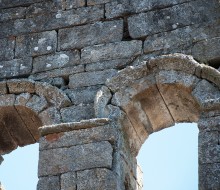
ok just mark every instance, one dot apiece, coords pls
pixel 26 105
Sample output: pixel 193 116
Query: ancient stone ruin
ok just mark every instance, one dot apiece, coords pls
pixel 90 80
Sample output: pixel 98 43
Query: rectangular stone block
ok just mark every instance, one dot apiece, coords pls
pixel 68 181
pixel 15 3
pixel 19 86
pixel 77 113
pixel 78 137
pixel 90 78
pixel 36 44
pixel 75 158
pixel 7 48
pixel 87 35
pixel 12 13
pixel 117 50
pixel 3 88
pixel 15 67
pixel 75 3
pixel 49 183
pixel 7 100
pixel 55 61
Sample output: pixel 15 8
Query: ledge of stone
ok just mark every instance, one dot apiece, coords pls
pixel 65 127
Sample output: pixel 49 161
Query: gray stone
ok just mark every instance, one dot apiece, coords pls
pixel 37 103
pixel 55 61
pixel 78 137
pixel 15 67
pixel 50 116
pixel 12 13
pixel 97 2
pixel 49 183
pixel 74 3
pixel 62 72
pixel 84 95
pixel 14 3
pixel 77 113
pixel 36 44
pixel 68 181
pixel 22 99
pixel 90 78
pixel 87 35
pixel 118 50
pixel 7 48
pixel 100 178
pixel 20 86
pixel 58 81
pixel 7 100
pixel 75 158
pixel 3 88
pixel 209 124
pixel 111 64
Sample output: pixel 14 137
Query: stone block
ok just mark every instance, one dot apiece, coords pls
pixel 111 64
pixel 15 67
pixel 68 181
pixel 12 13
pixel 50 116
pixel 79 137
pixel 82 95
pixel 100 178
pixel 7 48
pixel 36 44
pixel 75 158
pixel 3 88
pixel 77 113
pixel 56 61
pixel 20 86
pixel 87 35
pixel 16 3
pixel 22 99
pixel 75 3
pixel 49 183
pixel 7 100
pixel 117 50
pixel 59 82
pixel 90 78
pixel 209 124
pixel 37 103
pixel 97 2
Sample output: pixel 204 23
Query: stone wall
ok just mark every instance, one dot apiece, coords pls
pixel 56 55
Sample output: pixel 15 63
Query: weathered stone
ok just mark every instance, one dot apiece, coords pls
pixel 97 2
pixel 37 103
pixel 77 113
pixel 49 183
pixel 58 81
pixel 15 67
pixel 3 88
pixel 74 3
pixel 12 13
pixel 20 86
pixel 111 64
pixel 100 178
pixel 15 3
pixel 90 78
pixel 22 99
pixel 36 44
pixel 68 181
pixel 209 124
pixel 7 48
pixel 62 72
pixel 52 94
pixel 84 95
pixel 75 158
pixel 7 100
pixel 50 116
pixel 118 50
pixel 55 61
pixel 78 137
pixel 87 35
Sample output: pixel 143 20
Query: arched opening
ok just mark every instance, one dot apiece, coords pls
pixel 169 158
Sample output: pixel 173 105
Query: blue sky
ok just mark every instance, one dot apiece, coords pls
pixel 169 160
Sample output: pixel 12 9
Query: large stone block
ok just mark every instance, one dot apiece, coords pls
pixel 90 78
pixel 37 103
pixel 15 3
pixel 50 116
pixel 74 3
pixel 12 13
pixel 20 86
pixel 100 178
pixel 75 158
pixel 55 61
pixel 49 183
pixel 7 48
pixel 118 50
pixel 97 33
pixel 68 181
pixel 36 44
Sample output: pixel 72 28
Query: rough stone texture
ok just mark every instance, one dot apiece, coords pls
pixel 20 86
pixel 3 88
pixel 49 183
pixel 36 44
pixel 7 53
pixel 75 158
pixel 97 2
pixel 90 78
pixel 56 61
pixel 120 50
pixel 96 179
pixel 7 100
pixel 12 13
pixel 50 116
pixel 74 3
pixel 68 181
pixel 37 103
pixel 97 33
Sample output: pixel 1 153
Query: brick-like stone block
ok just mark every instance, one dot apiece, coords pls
pixel 36 44
pixel 77 113
pixel 7 48
pixel 100 178
pixel 211 123
pixel 12 13
pixel 49 183
pixel 55 61
pixel 50 116
pixel 97 33
pixel 90 78
pixel 37 103
pixel 75 3
pixel 3 88
pixel 68 181
pixel 118 50
pixel 75 158
pixel 7 100
pixel 20 86
pixel 16 3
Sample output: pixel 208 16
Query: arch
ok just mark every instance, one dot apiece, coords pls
pixel 26 105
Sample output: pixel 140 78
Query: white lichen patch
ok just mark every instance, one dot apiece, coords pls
pixel 36 48
pixel 49 48
pixel 22 67
pixel 58 15
pixel 48 65
pixel 41 40
pixel 1 66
